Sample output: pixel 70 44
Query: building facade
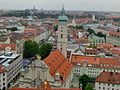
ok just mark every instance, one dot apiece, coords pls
pixel 108 81
pixel 12 63
pixel 55 69
pixel 93 66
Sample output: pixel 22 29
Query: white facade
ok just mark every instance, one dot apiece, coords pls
pixel 106 86
pixel 91 71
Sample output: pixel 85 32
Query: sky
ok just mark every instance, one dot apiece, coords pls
pixel 85 5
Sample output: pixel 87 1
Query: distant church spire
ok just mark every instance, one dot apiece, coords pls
pixel 62 11
pixel 34 7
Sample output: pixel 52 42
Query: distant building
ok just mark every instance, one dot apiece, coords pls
pixel 95 40
pixel 114 38
pixel 93 66
pixel 108 81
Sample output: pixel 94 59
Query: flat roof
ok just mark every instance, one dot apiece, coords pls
pixel 7 60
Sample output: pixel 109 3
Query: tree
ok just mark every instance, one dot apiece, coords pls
pixel 100 34
pixel 44 50
pixel 56 27
pixel 31 48
pixel 88 87
pixel 90 31
pixel 12 29
pixel 79 27
pixel 84 81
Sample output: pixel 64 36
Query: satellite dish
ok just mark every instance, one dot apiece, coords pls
pixel 7 48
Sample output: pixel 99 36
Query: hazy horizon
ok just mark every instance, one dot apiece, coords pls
pixel 84 5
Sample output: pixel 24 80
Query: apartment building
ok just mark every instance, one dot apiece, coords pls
pixel 108 81
pixel 12 63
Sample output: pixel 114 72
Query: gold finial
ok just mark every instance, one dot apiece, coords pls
pixel 37 57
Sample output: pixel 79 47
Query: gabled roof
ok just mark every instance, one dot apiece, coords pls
pixel 89 59
pixel 58 63
pixel 96 61
pixel 109 77
pixel 12 46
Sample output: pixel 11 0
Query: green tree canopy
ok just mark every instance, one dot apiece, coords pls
pixel 31 48
pixel 84 81
pixel 56 27
pixel 90 31
pixel 44 50
pixel 12 29
pixel 100 34
pixel 89 87
pixel 79 27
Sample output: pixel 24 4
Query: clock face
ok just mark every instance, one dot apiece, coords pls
pixel 36 83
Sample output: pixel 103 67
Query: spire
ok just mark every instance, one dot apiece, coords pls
pixel 62 11
pixel 34 7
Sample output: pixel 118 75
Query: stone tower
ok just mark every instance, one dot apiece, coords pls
pixel 62 33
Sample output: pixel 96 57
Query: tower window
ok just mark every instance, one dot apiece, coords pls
pixel 61 48
pixel 61 35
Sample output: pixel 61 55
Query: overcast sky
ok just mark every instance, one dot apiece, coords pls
pixel 92 5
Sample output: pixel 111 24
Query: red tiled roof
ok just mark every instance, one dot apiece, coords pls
pixel 44 89
pixel 109 77
pixel 114 33
pixel 89 59
pixel 90 51
pixel 3 46
pixel 30 32
pixel 93 60
pixel 58 63
pixel 110 48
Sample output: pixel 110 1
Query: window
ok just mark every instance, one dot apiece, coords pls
pixel 61 48
pixel 3 79
pixel 3 74
pixel 3 83
pixel 61 35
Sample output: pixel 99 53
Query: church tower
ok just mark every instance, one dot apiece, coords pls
pixel 62 33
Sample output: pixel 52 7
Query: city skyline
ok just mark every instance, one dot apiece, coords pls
pixel 85 5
